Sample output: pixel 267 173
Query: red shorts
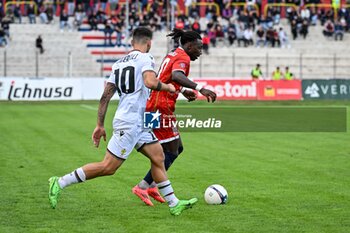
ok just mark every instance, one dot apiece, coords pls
pixel 168 131
pixel 160 101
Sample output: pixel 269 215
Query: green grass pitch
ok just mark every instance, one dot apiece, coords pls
pixel 277 182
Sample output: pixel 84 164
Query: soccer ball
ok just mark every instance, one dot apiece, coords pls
pixel 215 195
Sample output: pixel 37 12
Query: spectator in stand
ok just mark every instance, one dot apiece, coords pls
pixel 39 44
pixel 119 33
pixel 243 18
pixel 101 16
pixel 294 29
pixel 71 7
pixel 2 13
pixel 248 37
pixel 78 16
pixel 3 41
pixel 196 26
pixel 113 5
pixel 288 75
pixel 231 34
pixel 220 35
pixel 276 15
pixel 256 72
pixel 344 23
pixel 61 4
pixel 322 16
pixel 108 31
pixel 17 13
pixel 277 74
pixel 206 42
pixel 227 12
pixel 260 36
pixel 262 22
pixel 64 23
pixel 49 12
pixel 305 14
pixel 270 39
pixel 313 16
pixel 10 15
pixel 51 4
pixel 338 30
pixel 103 4
pixel 276 39
pixel 269 21
pixel 304 28
pixel 328 29
pixel 210 13
pixel 5 24
pixel 87 7
pixel 180 24
pixel 212 36
pixel 251 22
pixel 193 9
pixel 240 34
pixel 93 21
pixel 43 15
pixel 31 14
pixel 283 38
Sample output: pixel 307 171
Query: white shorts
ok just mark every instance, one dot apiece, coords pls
pixel 124 140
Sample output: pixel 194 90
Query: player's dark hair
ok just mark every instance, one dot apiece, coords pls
pixel 142 34
pixel 184 36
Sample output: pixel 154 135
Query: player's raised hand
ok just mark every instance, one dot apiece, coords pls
pixel 97 134
pixel 190 95
pixel 209 94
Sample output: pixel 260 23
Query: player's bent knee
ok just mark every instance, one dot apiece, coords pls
pixel 158 158
pixel 110 164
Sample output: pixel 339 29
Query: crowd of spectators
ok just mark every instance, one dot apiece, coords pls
pixel 234 25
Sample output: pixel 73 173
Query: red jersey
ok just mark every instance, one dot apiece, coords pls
pixel 178 60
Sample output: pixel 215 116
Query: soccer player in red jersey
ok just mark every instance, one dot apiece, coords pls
pixel 174 69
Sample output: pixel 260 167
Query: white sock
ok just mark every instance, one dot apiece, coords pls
pixel 143 185
pixel 154 184
pixel 167 192
pixel 76 176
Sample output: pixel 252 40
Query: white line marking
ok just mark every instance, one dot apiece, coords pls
pixel 88 107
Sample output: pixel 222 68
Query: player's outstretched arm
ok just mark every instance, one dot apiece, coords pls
pixel 151 82
pixel 99 130
pixel 180 78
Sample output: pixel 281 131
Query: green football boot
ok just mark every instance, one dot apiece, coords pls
pixel 54 191
pixel 182 205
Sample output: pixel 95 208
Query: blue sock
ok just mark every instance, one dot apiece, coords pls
pixel 168 160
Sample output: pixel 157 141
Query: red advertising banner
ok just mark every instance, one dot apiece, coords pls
pixel 279 90
pixel 230 89
pixel 233 89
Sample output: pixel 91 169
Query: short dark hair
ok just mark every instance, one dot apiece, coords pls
pixel 184 36
pixel 142 34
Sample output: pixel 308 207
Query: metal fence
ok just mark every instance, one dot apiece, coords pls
pixel 302 65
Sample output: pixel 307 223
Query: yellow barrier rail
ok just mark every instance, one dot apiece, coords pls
pixel 324 5
pixel 206 4
pixel 280 5
pixel 246 6
pixel 22 3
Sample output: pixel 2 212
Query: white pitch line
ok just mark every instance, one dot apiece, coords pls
pixel 88 107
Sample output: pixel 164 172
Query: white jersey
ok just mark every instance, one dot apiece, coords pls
pixel 127 76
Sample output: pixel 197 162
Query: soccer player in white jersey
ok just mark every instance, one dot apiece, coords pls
pixel 132 76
